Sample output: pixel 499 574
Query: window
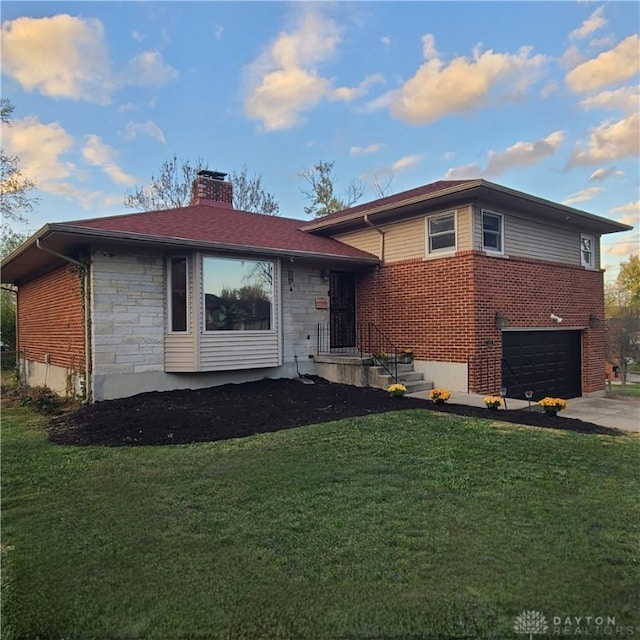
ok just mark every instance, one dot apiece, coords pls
pixel 442 232
pixel 586 251
pixel 178 298
pixel 238 294
pixel 491 231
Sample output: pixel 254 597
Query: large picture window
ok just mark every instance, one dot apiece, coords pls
pixel 238 294
pixel 442 232
pixel 491 231
pixel 178 279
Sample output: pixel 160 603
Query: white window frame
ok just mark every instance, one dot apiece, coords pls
pixel 500 235
pixel 444 250
pixel 591 263
pixel 170 328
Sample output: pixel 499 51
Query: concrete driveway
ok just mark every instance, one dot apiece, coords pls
pixel 614 412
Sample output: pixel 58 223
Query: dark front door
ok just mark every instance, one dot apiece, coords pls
pixel 342 314
pixel 545 362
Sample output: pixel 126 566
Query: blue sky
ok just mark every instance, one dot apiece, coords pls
pixel 537 96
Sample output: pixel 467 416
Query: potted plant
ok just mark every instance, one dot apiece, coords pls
pixel 397 390
pixel 439 396
pixel 380 358
pixel 552 405
pixel 493 402
pixel 406 356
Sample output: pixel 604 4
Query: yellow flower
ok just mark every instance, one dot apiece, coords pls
pixel 553 404
pixel 397 389
pixel 493 402
pixel 441 395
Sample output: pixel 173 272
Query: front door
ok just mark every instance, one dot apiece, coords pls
pixel 342 314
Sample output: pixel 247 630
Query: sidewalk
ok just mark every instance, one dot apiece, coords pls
pixel 616 413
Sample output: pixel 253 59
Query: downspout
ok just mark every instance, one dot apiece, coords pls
pixel 86 320
pixel 380 231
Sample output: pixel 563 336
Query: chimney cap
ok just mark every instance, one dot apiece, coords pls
pixel 214 175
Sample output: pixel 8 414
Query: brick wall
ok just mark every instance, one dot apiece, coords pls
pixel 445 309
pixel 50 319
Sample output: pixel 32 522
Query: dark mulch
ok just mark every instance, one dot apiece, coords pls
pixel 237 410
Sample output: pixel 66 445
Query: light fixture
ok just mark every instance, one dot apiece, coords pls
pixel 594 321
pixel 324 274
pixel 501 320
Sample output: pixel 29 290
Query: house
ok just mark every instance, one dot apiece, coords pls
pixel 489 287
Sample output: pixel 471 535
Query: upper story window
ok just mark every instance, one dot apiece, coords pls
pixel 492 231
pixel 178 294
pixel 586 251
pixel 238 294
pixel 441 232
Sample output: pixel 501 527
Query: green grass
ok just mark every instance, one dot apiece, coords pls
pixel 631 389
pixel 404 525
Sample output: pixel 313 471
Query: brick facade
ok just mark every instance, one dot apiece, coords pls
pixel 445 309
pixel 50 319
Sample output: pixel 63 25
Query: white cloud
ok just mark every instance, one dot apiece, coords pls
pixel 136 35
pixel 609 141
pixel 629 209
pixel 386 41
pixel 370 148
pixel 218 30
pixel 625 99
pixel 61 57
pixel 438 89
pixel 284 81
pixel 406 162
pixel 127 106
pixel 520 154
pixel 148 69
pixel 149 128
pixel 97 153
pixel 610 67
pixel 583 195
pixel 67 57
pixel 626 245
pixel 602 173
pixel 548 89
pixel 347 94
pixel 594 22
pixel 40 148
pixel 571 57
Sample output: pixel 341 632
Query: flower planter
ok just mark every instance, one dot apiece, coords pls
pixel 405 359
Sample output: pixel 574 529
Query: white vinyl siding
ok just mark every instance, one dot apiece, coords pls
pixel 368 240
pixel 404 240
pixel 180 353
pixel 525 237
pixel 226 350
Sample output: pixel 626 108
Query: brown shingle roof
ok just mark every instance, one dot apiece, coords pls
pixel 208 223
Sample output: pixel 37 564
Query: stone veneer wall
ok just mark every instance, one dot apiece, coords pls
pixel 128 319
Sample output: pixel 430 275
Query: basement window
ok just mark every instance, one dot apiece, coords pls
pixel 441 232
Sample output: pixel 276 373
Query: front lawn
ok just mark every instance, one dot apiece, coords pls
pixel 412 524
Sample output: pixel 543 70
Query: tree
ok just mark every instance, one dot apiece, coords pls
pixel 171 189
pixel 15 201
pixel 322 182
pixel 622 303
pixel 249 194
pixel 629 280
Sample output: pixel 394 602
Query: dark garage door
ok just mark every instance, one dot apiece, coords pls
pixel 545 362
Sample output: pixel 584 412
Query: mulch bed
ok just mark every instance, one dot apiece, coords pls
pixel 239 410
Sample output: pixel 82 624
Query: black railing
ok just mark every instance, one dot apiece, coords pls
pixel 369 342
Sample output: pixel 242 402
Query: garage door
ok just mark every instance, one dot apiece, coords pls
pixel 545 362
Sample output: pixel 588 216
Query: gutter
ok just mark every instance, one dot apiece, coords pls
pixel 380 231
pixel 86 320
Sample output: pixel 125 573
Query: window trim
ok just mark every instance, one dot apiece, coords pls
pixel 591 264
pixel 500 216
pixel 170 328
pixel 203 293
pixel 444 250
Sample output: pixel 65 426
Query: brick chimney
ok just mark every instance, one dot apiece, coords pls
pixel 210 187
